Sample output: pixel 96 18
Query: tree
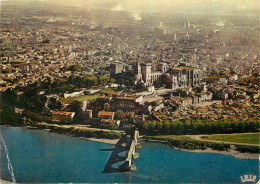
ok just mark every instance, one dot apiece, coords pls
pixel 77 68
pixel 10 97
pixel 166 80
pixel 151 126
pixel 173 126
pixel 166 126
pixel 129 116
pixel 64 69
pixel 103 80
pixel 112 126
pixel 159 126
pixel 120 114
pixel 140 86
pixel 8 70
pixel 112 80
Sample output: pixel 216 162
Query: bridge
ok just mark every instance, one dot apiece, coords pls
pixel 132 144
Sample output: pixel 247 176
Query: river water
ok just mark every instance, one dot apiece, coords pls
pixel 37 156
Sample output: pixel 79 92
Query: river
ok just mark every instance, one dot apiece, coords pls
pixel 36 156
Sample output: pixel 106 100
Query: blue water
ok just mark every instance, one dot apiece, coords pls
pixel 42 157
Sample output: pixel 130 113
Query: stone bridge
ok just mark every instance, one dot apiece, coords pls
pixel 131 155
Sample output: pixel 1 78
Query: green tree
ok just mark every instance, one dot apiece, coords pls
pixel 8 70
pixel 159 126
pixel 129 116
pixel 64 69
pixel 140 86
pixel 103 80
pixel 10 97
pixel 120 114
pixel 166 126
pixel 151 127
pixel 173 127
pixel 77 68
pixel 112 80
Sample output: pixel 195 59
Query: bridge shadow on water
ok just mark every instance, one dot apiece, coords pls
pixel 114 157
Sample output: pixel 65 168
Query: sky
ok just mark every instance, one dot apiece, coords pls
pixel 159 4
pixel 166 6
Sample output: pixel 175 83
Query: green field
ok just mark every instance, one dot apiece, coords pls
pixel 80 98
pixel 240 138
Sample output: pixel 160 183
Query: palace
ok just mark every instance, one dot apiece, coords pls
pixel 180 76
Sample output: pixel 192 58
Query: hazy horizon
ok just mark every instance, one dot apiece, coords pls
pixel 164 6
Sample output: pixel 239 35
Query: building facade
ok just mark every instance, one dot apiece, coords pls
pixel 180 76
pixel 126 103
pixel 184 76
pixel 116 68
pixel 62 116
pixel 106 115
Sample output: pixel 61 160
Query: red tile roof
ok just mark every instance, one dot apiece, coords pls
pixel 105 113
pixel 62 113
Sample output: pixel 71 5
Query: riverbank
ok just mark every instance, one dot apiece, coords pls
pixel 102 140
pixel 84 132
pixel 5 182
pixel 231 151
pixel 79 133
pixel 107 141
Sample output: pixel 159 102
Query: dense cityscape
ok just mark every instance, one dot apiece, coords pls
pixel 172 76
